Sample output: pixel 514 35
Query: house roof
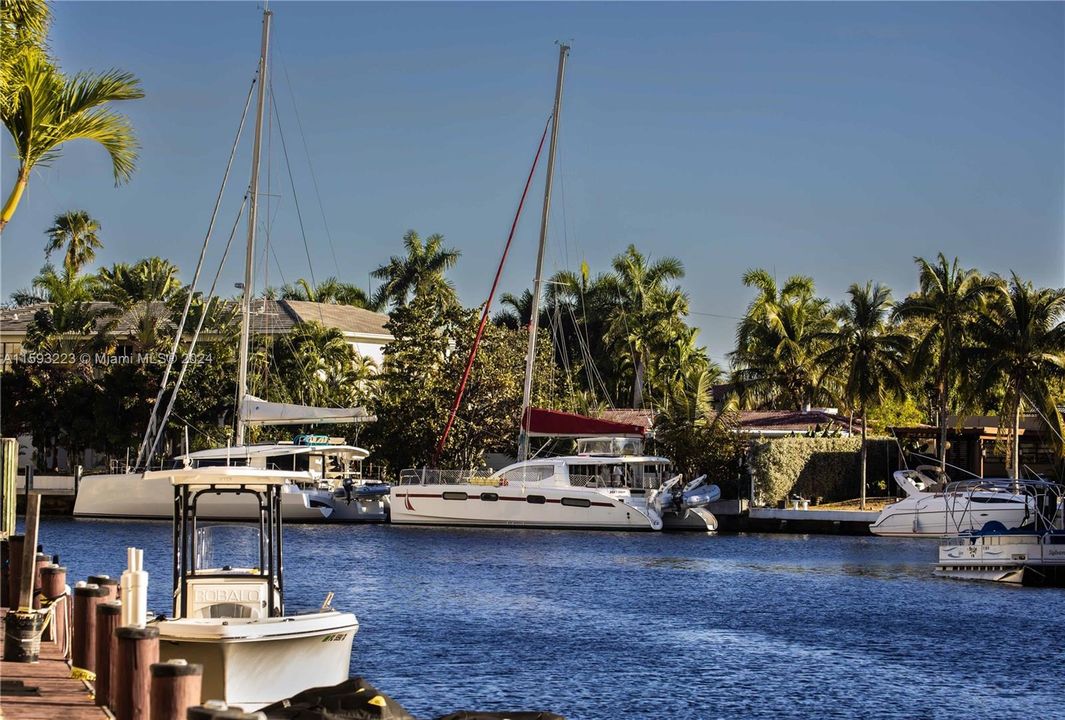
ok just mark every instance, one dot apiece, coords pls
pixel 629 416
pixel 978 425
pixel 346 318
pixel 268 317
pixel 797 421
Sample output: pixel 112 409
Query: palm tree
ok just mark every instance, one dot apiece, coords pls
pixel 23 28
pixel 421 270
pixel 518 312
pixel 1019 343
pixel 331 290
pixel 139 293
pixel 76 231
pixel 52 109
pixel 70 315
pixel 947 301
pixel 866 355
pixel 778 343
pixel 648 311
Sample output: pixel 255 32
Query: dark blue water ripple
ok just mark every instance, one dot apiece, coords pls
pixel 610 625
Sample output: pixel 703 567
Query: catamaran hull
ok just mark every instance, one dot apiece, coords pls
pixel 511 506
pixel 252 664
pixel 694 519
pixel 133 496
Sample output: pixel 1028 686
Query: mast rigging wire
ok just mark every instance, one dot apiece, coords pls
pixel 152 428
pixel 488 303
pixel 199 327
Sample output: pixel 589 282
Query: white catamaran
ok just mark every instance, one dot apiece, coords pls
pixel 607 485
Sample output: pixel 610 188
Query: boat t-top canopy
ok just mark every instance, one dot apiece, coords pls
pixel 248 478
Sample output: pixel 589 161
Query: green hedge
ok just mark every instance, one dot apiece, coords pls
pixel 828 468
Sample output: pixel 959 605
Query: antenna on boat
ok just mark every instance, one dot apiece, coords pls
pixel 530 358
pixel 249 259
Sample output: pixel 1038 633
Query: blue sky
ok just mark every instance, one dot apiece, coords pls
pixel 836 140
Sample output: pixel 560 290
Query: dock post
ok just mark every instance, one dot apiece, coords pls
pixel 8 471
pixel 40 563
pixel 218 710
pixel 54 588
pixel 109 585
pixel 78 470
pixel 175 688
pixel 15 543
pixel 107 616
pixel 83 650
pixel 138 649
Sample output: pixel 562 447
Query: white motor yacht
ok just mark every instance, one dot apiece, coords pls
pixel 936 507
pixel 229 611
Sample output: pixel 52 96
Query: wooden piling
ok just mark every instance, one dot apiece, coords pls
pixel 53 587
pixel 108 583
pixel 15 544
pixel 108 615
pixel 83 646
pixel 175 688
pixel 29 553
pixel 40 563
pixel 137 650
pixel 215 710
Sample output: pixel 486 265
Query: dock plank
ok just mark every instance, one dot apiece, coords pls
pixel 58 695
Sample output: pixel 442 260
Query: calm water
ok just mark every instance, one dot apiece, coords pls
pixel 612 625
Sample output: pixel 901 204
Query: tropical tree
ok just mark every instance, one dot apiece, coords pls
pixel 23 28
pixel 649 311
pixel 865 356
pixel 778 343
pixel 516 312
pixel 74 232
pixel 51 109
pixel 1019 344
pixel 421 270
pixel 139 294
pixel 332 291
pixel 948 300
pixel 699 440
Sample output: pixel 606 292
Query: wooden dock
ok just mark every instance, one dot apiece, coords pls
pixel 45 690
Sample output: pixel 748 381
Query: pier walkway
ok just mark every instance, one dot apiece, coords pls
pixel 45 690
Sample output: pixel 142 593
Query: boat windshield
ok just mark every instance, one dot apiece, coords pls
pixel 228 548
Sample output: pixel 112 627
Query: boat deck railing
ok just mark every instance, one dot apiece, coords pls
pixel 435 476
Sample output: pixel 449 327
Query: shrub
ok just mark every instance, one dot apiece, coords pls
pixel 817 467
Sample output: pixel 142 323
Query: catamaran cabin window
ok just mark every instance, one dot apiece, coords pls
pixel 577 502
pixel 529 473
pixel 455 496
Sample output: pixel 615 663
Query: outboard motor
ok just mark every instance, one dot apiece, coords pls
pixel 674 497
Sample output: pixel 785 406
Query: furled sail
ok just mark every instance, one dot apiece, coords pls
pixel 555 423
pixel 256 411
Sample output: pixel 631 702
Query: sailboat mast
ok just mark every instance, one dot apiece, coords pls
pixel 249 258
pixel 534 319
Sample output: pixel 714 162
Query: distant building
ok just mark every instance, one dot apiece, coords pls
pixel 363 329
pixel 976 444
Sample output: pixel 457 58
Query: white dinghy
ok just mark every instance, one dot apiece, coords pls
pixel 229 612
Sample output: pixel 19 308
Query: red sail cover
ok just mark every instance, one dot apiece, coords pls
pixel 555 423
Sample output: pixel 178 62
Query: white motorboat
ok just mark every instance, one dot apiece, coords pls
pixel 325 485
pixel 1034 555
pixel 936 507
pixel 229 610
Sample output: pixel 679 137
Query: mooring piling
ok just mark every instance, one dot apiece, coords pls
pixel 108 615
pixel 175 688
pixel 83 650
pixel 137 650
